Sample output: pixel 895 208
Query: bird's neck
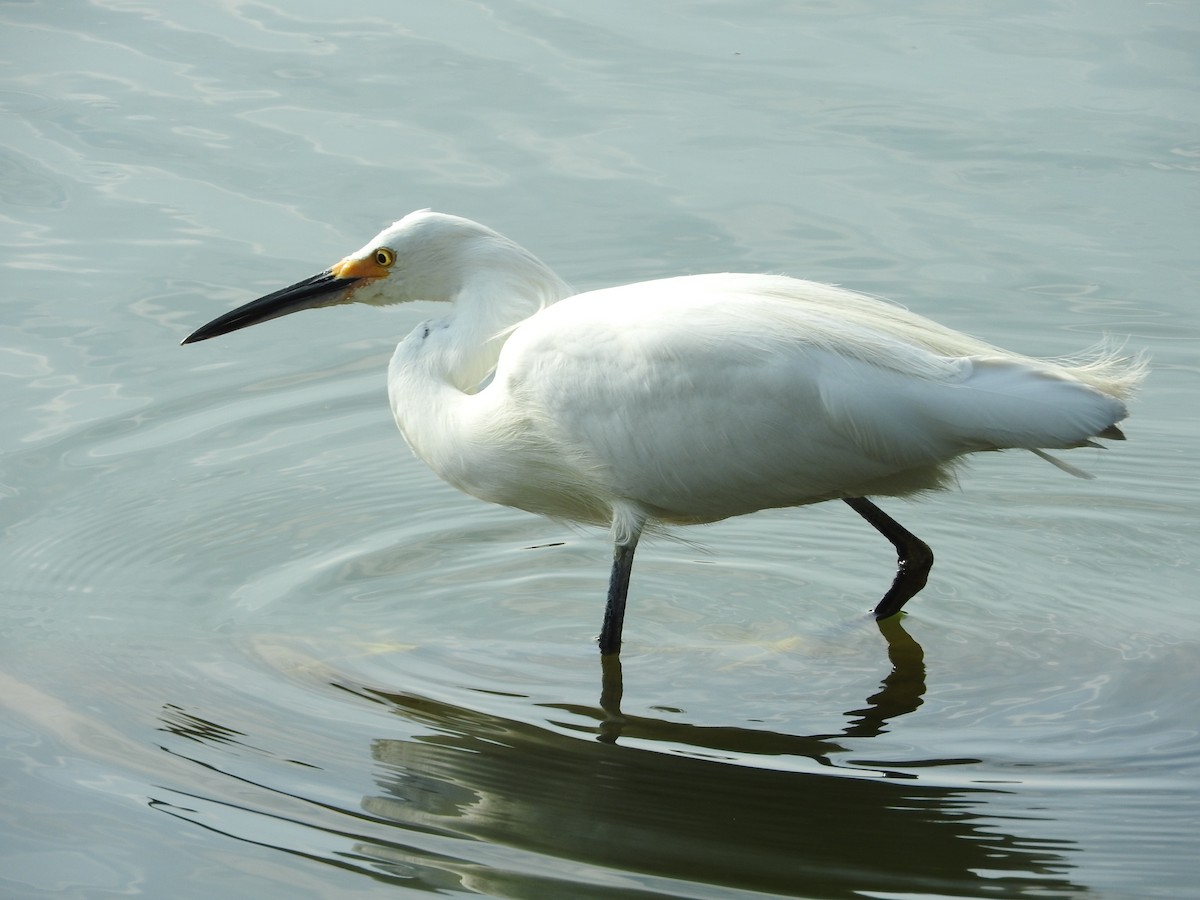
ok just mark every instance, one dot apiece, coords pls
pixel 483 314
pixel 438 371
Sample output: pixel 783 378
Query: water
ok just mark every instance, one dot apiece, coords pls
pixel 253 649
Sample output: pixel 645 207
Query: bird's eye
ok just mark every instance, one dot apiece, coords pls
pixel 385 256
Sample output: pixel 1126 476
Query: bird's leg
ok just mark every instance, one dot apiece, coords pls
pixel 914 559
pixel 618 589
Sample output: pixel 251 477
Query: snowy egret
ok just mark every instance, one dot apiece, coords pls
pixel 688 400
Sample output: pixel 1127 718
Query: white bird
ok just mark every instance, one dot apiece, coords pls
pixel 691 399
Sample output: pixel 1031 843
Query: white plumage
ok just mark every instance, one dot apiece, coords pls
pixel 691 399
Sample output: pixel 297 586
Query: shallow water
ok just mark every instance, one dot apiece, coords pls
pixel 253 648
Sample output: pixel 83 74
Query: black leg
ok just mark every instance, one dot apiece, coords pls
pixel 913 557
pixel 618 589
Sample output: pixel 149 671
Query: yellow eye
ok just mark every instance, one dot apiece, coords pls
pixel 384 257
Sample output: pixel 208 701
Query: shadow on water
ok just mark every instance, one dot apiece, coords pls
pixel 647 807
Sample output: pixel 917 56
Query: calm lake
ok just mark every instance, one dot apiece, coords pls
pixel 252 648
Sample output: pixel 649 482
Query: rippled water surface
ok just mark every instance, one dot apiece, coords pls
pixel 252 648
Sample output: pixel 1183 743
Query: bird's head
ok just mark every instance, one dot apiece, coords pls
pixel 421 257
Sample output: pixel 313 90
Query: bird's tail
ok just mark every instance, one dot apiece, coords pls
pixel 1012 404
pixel 1058 404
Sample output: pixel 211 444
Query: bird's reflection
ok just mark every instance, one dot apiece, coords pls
pixel 702 809
pixel 654 805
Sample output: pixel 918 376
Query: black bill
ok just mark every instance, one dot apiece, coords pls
pixel 308 294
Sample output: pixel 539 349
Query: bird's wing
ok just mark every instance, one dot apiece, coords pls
pixel 698 414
